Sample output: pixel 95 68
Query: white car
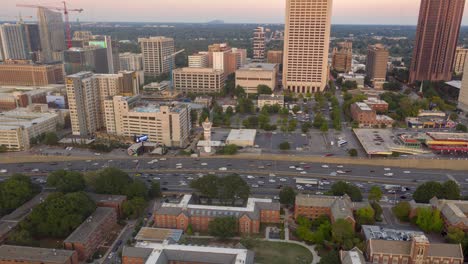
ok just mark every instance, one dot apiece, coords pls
pixel 254 185
pixel 35 170
pixel 190 178
pixel 179 164
pixel 303 172
pixel 223 169
pixel 250 177
pixel 406 172
pixel 319 193
pixel 283 180
pixel 204 164
pixel 183 184
pixel 292 167
pixel 340 166
pixel 179 167
pixel 325 166
pixel 325 182
pixel 88 161
pixel 261 182
pixel 388 174
pixel 156 178
pixel 276 198
pixel 272 181
pixel 340 172
pixel 3 171
pixel 308 185
pixel 299 187
pixel 272 175
pixel 299 169
pixel 162 159
pixel 387 169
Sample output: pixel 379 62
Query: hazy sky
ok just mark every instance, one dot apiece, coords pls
pixel 402 12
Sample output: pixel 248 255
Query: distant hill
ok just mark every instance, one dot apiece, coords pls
pixel 216 22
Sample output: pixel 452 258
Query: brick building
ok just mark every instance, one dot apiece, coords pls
pixel 275 56
pixel 367 117
pixel 33 255
pixel 418 250
pixel 314 206
pixel 380 106
pixel 29 74
pixel 107 200
pixel 342 57
pixel 180 215
pixel 92 232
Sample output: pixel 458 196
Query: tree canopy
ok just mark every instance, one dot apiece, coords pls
pixel 264 89
pixel 402 211
pixel 375 194
pixel 287 196
pixel 429 220
pixel 66 181
pixel 223 227
pixel 365 216
pixel 14 192
pixel 227 189
pixel 111 181
pixel 341 188
pixel 426 191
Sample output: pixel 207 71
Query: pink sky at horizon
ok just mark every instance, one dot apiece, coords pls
pixel 402 12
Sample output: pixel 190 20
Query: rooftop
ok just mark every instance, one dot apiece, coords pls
pixel 22 117
pixel 354 256
pixel 448 136
pixel 373 100
pixel 197 70
pixel 241 134
pixel 271 97
pixel 102 198
pixel 363 106
pixel 158 234
pixel 89 226
pixel 376 141
pixel 382 233
pixel 259 67
pixel 34 255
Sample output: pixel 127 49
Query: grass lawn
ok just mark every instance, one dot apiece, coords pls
pixel 280 253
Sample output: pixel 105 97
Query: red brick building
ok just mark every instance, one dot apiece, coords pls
pixel 92 232
pixel 380 106
pixel 314 206
pixel 33 255
pixel 180 215
pixel 107 200
pixel 367 117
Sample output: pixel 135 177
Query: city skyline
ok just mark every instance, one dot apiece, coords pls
pixel 397 12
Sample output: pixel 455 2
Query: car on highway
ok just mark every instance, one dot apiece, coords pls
pixel 162 159
pixel 340 166
pixel 254 185
pixel 156 178
pixel 261 182
pixel 272 181
pixel 303 172
pixel 3 171
pixel 250 177
pixel 406 172
pixel 387 169
pixel 325 166
pixel 272 175
pixel 299 169
pixel 223 169
pixel 283 180
pixel 388 174
pixel 292 167
pixel 204 164
pixel 340 172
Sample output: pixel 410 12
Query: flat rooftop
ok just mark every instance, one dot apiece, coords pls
pixel 196 70
pixel 363 106
pixel 271 97
pixel 241 134
pixel 158 234
pixel 448 136
pixel 382 233
pixel 259 67
pixel 21 117
pixel 34 254
pixel 89 226
pixel 376 141
pixel 103 198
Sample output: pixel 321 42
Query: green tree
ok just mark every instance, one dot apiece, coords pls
pixel 429 220
pixel 296 109
pixel 231 188
pixel 264 89
pixel 136 189
pixel 427 191
pixel 306 126
pixel 331 257
pixel 451 190
pixel 111 181
pixel 285 146
pixel 378 211
pixel 230 149
pixel 341 188
pixel 3 148
pixel 66 181
pixel 14 192
pixel 365 216
pixel 342 231
pixel 134 208
pixel 287 196
pixel 324 127
pixel 353 152
pixel 455 235
pixel 239 92
pixel 51 138
pixel 206 185
pixel 461 128
pixel 155 190
pixel 375 194
pixel 21 237
pixel 402 211
pixel 223 227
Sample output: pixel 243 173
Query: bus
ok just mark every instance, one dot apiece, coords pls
pixel 342 142
pixel 307 181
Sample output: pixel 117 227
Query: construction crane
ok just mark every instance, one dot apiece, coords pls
pixel 19 17
pixel 65 11
pixel 170 64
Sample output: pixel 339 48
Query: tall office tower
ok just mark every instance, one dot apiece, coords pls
pixel 259 45
pixel 306 44
pixel 198 60
pixel 131 61
pixel 377 59
pixel 459 62
pixel 14 42
pixel 83 101
pixel 33 40
pixel 342 57
pixel 436 40
pixel 52 34
pixel 90 58
pixel 155 51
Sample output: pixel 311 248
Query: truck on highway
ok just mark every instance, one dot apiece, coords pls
pixel 391 186
pixel 307 181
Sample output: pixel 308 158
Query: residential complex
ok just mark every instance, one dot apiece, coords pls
pixel 198 80
pixel 275 56
pixel 306 44
pixel 19 254
pixel 156 52
pixel 86 239
pixel 342 57
pixel 265 99
pixel 380 106
pixel 377 58
pixel 259 45
pixel 169 125
pixel 26 73
pixel 185 212
pixel 314 206
pixel 436 40
pixel 366 116
pixel 252 75
pixel 461 54
pixel 52 35
pixel 13 42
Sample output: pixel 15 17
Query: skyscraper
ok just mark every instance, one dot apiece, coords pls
pixel 33 40
pixel 377 58
pixel 155 50
pixel 52 34
pixel 342 57
pixel 14 42
pixel 436 40
pixel 306 44
pixel 259 45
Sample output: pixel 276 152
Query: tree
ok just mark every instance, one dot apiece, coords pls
pixel 392 86
pixel 429 220
pixel 231 188
pixel 378 211
pixel 134 208
pixel 14 192
pixel 402 211
pixel 287 196
pixel 306 126
pixel 112 181
pixel 51 138
pixel 427 191
pixel 461 128
pixel 375 194
pixel 296 109
pixel 155 190
pixel 66 181
pixel 365 216
pixel 342 231
pixel 136 189
pixel 332 257
pixel 324 127
pixel 21 237
pixel 284 145
pixel 230 149
pixel 264 89
pixel 206 185
pixel 223 227
pixel 454 116
pixel 455 235
pixel 239 92
pixel 451 190
pixel 341 188
pixel 353 152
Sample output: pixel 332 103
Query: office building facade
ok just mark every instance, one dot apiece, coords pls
pixel 306 44
pixel 89 58
pixel 25 73
pixel 259 45
pixel 252 75
pixel 198 80
pixel 131 61
pixel 463 95
pixel 436 40
pixel 199 60
pixel 155 52
pixel 275 56
pixel 13 42
pixel 459 62
pixel 52 35
pixel 377 58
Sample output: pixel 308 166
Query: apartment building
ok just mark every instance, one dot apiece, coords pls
pixel 252 75
pixel 198 60
pixel 368 117
pixel 86 238
pixel 108 200
pixel 314 206
pixel 376 66
pixel 33 255
pixel 169 125
pixel 198 80
pixel 306 44
pixel 380 106
pixel 13 42
pixel 89 58
pixel 25 73
pixel 342 57
pixel 275 56
pixel 461 54
pixel 155 52
pixel 259 45
pixel 180 215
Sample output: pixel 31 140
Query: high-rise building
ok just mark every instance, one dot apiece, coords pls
pixel 155 51
pixel 436 40
pixel 33 40
pixel 306 44
pixel 89 58
pixel 26 73
pixel 82 35
pixel 463 97
pixel 342 57
pixel 198 80
pixel 241 56
pixel 460 57
pixel 131 61
pixel 52 35
pixel 198 60
pixel 85 39
pixel 259 45
pixel 377 59
pixel 275 56
pixel 14 45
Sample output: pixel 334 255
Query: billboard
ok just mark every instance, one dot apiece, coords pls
pixel 98 43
